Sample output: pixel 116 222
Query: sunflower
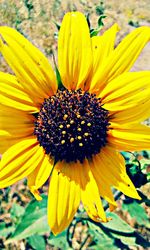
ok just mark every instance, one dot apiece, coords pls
pixel 73 133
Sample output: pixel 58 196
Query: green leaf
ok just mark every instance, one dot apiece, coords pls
pixel 94 32
pixel 134 23
pixel 116 233
pixel 37 242
pixel 100 21
pixel 146 154
pixel 100 239
pixel 144 163
pixel 118 224
pixel 57 25
pixel 59 240
pixel 88 20
pixel 34 205
pixel 126 155
pixel 6 230
pixel 34 221
pixel 136 211
pixel 16 211
pixel 100 9
pixel 60 85
pixel 119 229
pixel 135 173
pixel 58 77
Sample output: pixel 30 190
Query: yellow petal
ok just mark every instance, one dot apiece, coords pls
pixel 125 94
pixel 125 85
pixel 132 115
pixel 137 99
pixel 111 165
pixel 129 90
pixel 103 185
pixel 7 141
pixel 19 161
pixel 40 175
pixel 121 59
pixel 28 63
pixel 12 94
pixel 74 50
pixel 90 193
pixel 15 122
pixel 130 137
pixel 64 196
pixel 14 126
pixel 102 47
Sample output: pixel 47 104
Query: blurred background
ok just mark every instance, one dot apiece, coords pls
pixel 23 222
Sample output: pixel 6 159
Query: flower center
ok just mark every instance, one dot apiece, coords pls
pixel 72 125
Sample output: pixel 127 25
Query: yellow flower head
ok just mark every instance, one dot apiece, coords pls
pixel 73 133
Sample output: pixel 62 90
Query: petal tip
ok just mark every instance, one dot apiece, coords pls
pixel 35 192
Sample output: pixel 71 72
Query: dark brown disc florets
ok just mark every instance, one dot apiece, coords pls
pixel 72 125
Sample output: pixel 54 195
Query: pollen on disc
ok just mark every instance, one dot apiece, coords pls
pixel 72 125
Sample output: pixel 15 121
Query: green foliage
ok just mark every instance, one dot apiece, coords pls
pixel 138 212
pixel 95 31
pixel 57 26
pixel 37 242
pixel 5 230
pixel 136 169
pixel 117 224
pixel 100 9
pixel 59 241
pixel 134 24
pixel 60 85
pixel 30 223
pixel 145 162
pixel 56 6
pixel 114 234
pixel 100 12
pixel 146 154
pixel 16 212
pixel 29 6
pixel 100 240
pixel 34 221
pixel 18 20
pixel 58 77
